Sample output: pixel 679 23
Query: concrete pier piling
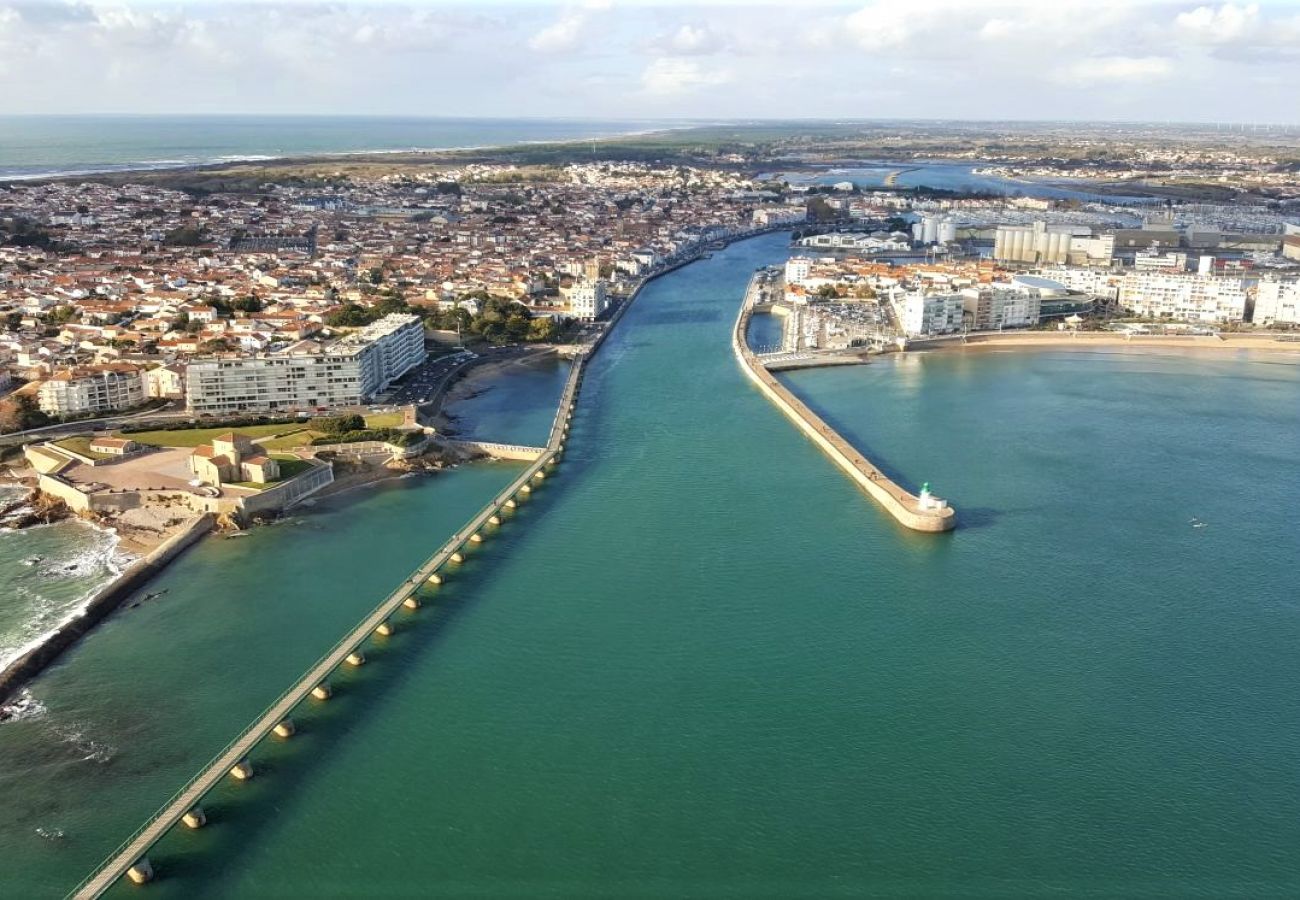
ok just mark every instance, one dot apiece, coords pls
pixel 142 872
pixel 457 557
pixel 411 602
pixel 356 658
pixel 526 489
pixel 195 818
pixel 511 503
pixel 435 578
pixel 285 729
pixel 242 770
pixel 476 538
pixel 385 629
pixel 322 691
pixel 494 520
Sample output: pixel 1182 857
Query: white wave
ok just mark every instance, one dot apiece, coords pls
pixel 91 750
pixel 25 706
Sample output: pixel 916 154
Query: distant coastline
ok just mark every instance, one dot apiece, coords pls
pixel 26 156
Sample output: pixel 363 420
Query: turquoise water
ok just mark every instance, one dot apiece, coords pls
pixel 517 405
pixel 49 145
pixel 46 574
pixel 702 664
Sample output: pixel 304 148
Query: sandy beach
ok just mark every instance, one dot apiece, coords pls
pixel 1096 340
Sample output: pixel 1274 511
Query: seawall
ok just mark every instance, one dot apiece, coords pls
pixel 104 602
pixel 902 505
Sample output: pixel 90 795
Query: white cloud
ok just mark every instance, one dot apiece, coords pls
pixel 690 40
pixel 668 76
pixel 567 33
pixel 1220 25
pixel 1129 69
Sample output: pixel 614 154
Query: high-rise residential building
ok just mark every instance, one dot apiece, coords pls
pixel 990 308
pixel 588 299
pixel 922 314
pixel 94 389
pixel 1277 303
pixel 1183 297
pixel 346 373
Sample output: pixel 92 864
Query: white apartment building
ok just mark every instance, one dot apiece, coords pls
pixel 588 299
pixel 1183 297
pixel 346 373
pixel 766 216
pixel 933 314
pixel 992 308
pixel 389 348
pixel 1097 282
pixel 1277 303
pixel 797 269
pixel 103 389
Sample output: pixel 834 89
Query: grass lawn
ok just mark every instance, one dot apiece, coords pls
pixel 385 420
pixel 81 445
pixel 192 437
pixel 289 467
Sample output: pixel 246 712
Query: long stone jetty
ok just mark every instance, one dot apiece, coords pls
pixel 920 513
pixel 130 858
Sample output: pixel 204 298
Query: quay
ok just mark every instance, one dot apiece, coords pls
pixel 919 513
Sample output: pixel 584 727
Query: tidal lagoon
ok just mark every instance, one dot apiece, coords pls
pixel 702 664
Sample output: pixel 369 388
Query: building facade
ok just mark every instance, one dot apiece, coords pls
pixel 346 373
pixel 933 314
pixel 588 299
pixel 1277 303
pixel 1184 298
pixel 94 390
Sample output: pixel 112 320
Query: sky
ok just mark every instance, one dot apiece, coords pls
pixel 1131 60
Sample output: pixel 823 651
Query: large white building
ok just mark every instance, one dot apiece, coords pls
pixel 346 373
pixel 991 308
pixel 922 314
pixel 588 299
pixel 1277 303
pixel 766 216
pixel 92 390
pixel 1183 297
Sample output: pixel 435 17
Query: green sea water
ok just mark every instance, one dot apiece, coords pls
pixel 702 664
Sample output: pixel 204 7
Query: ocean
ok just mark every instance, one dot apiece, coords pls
pixel 46 574
pixel 700 663
pixel 39 146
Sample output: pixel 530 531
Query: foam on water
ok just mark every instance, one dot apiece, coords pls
pixel 47 575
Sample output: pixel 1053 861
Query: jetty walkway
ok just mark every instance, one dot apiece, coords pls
pixel 130 858
pixel 920 513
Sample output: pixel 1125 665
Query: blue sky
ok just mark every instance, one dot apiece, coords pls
pixel 1021 59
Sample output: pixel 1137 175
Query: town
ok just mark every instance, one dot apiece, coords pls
pixel 212 342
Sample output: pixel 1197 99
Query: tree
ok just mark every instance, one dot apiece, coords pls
pixel 21 412
pixel 341 424
pixel 376 275
pixel 350 316
pixel 249 304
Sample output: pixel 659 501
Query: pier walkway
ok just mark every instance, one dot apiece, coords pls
pixel 923 513
pixel 133 851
